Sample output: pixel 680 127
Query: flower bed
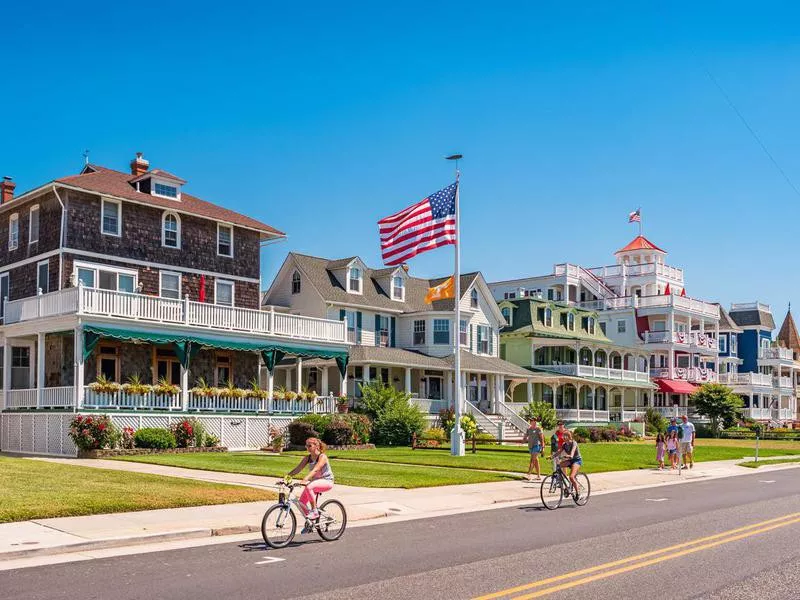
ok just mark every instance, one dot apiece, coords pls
pixel 107 452
pixel 347 447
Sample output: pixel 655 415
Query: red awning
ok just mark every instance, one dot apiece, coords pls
pixel 675 386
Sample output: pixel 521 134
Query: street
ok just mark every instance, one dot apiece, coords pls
pixel 728 538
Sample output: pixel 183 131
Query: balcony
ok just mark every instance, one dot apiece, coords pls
pixel 600 372
pixel 758 379
pixel 701 341
pixel 782 382
pixel 636 270
pixel 776 354
pixel 693 374
pixel 682 303
pixel 153 309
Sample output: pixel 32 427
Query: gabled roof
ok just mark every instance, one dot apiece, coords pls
pixel 101 180
pixel 788 333
pixel 319 271
pixel 640 243
pixel 525 321
pixel 726 323
pixel 750 317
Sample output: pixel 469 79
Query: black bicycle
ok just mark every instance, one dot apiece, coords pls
pixel 557 486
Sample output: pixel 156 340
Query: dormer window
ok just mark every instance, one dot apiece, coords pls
pixel 163 189
pixel 398 288
pixel 570 322
pixel 295 282
pixel 473 298
pixel 171 231
pixel 13 231
pixel 590 324
pixel 354 280
pixel 506 312
pixel 224 240
pixel 548 317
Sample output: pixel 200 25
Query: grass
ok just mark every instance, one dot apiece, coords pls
pixel 751 464
pixel 32 489
pixel 376 474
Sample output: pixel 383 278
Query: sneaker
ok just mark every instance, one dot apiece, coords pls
pixel 313 515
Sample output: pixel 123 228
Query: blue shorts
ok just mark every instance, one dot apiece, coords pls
pixel 576 461
pixel 535 450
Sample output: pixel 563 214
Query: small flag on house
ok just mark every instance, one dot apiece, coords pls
pixel 667 291
pixel 426 225
pixel 201 296
pixel 635 216
pixel 443 291
pixel 683 293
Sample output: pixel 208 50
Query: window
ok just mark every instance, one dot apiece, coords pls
pixel 723 343
pixel 659 325
pixel 441 331
pixel 33 221
pixel 223 292
pixel 510 295
pixel 473 298
pixel 89 275
pixel 506 312
pixel 734 340
pixel 111 218
pixel 295 282
pixel 571 321
pixel 621 324
pixel 484 339
pixel 224 240
pixel 162 189
pixel 43 277
pixel 171 231
pixel 419 333
pixel 13 231
pixel 108 362
pixel 3 291
pixel 353 319
pixel 603 327
pixel 462 333
pixel 548 317
pixel 170 285
pixel 86 277
pixel 223 372
pixel 398 287
pixel 382 331
pixel 166 367
pixel 354 280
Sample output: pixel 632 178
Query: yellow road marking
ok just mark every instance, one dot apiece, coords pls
pixel 638 557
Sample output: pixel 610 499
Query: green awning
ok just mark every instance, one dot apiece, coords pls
pixel 187 346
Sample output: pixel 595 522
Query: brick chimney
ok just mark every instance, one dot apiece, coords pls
pixel 7 190
pixel 139 165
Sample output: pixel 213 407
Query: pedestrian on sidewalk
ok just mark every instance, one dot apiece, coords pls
pixel 661 450
pixel 673 426
pixel 687 441
pixel 672 449
pixel 319 478
pixel 535 439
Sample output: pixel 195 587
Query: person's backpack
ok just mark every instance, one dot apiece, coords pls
pixel 554 443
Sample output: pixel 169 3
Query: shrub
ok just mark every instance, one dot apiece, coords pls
pixel 543 412
pixel 126 439
pixel 396 426
pixel 654 421
pixel 361 424
pixel 469 425
pixel 609 434
pixel 338 433
pixel 447 419
pixel 319 423
pixel 211 441
pixel 93 432
pixel 485 438
pixel 625 431
pixel 595 434
pixel 704 431
pixel 154 437
pixel 378 398
pixel 434 433
pixel 581 434
pixel 183 431
pixel 300 431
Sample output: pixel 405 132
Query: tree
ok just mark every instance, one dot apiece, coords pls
pixel 655 422
pixel 378 397
pixel 543 412
pixel 719 404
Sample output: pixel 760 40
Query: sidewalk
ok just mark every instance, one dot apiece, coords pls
pixel 75 534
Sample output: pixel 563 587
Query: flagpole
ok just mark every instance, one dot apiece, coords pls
pixel 640 220
pixel 457 435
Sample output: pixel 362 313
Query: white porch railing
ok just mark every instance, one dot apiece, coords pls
pixel 783 382
pixel 760 379
pixel 694 338
pixel 150 400
pixel 785 414
pixel 140 307
pixel 695 375
pixel 52 397
pixel 583 414
pixel 601 372
pixel 484 423
pixel 21 398
pixel 757 413
pixel 776 353
pixel 680 303
pixel 432 406
pixel 510 415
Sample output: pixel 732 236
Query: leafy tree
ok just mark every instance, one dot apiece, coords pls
pixel 719 404
pixel 543 412
pixel 654 421
pixel 378 397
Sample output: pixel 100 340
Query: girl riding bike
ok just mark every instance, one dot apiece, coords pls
pixel 319 478
pixel 571 459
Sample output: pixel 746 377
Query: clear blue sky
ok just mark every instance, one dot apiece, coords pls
pixel 320 120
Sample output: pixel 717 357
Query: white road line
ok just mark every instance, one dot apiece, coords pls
pixel 766 481
pixel 656 499
pixel 270 559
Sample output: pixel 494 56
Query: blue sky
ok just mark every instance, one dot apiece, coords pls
pixel 322 119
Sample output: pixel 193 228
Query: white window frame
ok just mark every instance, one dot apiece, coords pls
pixel 415 331
pixel 155 182
pixel 233 291
pixel 34 209
pixel 734 350
pixel 103 203
pixel 548 317
pixel 463 332
pixel 379 333
pixel 166 214
pixel 723 343
pixel 360 279
pixel 97 267
pixel 474 300
pixel 506 312
pixel 38 265
pixel 439 322
pixel 13 231
pixel 401 287
pixel 570 321
pixel 8 287
pixel 591 325
pixel 622 325
pixel 180 284
pixel 230 227
pixel 296 278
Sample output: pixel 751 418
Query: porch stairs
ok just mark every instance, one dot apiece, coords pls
pixel 513 426
pixel 594 284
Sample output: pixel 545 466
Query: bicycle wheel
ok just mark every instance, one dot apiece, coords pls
pixel 551 492
pixel 584 489
pixel 278 526
pixel 332 520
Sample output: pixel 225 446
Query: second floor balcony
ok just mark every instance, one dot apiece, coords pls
pixel 693 374
pixel 746 379
pixel 702 341
pixel 784 354
pixel 155 309
pixel 599 372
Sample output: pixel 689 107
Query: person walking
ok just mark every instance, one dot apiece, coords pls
pixel 535 439
pixel 687 441
pixel 673 426
pixel 672 449
pixel 661 450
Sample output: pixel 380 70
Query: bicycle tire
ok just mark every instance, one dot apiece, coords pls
pixel 273 541
pixel 549 486
pixel 583 486
pixel 323 528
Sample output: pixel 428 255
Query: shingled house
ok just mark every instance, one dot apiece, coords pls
pixel 108 275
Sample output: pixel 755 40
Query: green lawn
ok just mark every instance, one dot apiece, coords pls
pixel 32 489
pixel 373 474
pixel 778 461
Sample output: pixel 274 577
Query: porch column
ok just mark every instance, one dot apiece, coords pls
pixel 39 369
pixel 325 388
pixel 6 370
pixel 365 375
pixel 408 380
pixel 299 385
pixel 671 355
pixel 449 377
pixel 270 387
pixel 343 388
pixel 500 383
pixel 78 377
pixel 184 388
pixel 529 392
pixel 288 385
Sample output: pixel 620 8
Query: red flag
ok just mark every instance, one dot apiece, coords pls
pixel 667 291
pixel 202 294
pixel 683 292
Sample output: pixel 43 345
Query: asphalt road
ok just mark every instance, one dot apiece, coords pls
pixel 723 539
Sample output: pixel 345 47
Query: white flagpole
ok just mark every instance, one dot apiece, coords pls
pixel 457 435
pixel 640 219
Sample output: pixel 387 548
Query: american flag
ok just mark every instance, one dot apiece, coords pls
pixel 635 216
pixel 424 226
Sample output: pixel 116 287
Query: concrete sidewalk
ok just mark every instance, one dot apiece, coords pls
pixel 76 534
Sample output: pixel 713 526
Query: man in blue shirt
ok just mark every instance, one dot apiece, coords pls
pixel 673 427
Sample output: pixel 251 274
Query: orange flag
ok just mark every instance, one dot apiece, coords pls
pixel 444 290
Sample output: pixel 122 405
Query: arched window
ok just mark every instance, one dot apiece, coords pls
pixel 473 298
pixel 171 231
pixel 506 312
pixel 548 317
pixel 571 321
pixel 295 282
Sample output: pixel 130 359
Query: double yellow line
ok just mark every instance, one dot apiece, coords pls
pixel 560 583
